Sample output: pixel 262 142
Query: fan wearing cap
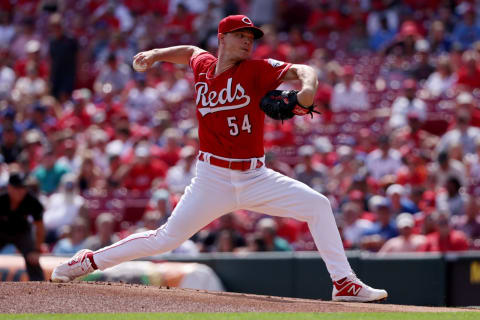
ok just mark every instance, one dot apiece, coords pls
pixel 400 202
pixel 407 241
pixel 466 101
pixel 230 172
pixel 382 230
pixel 18 207
pixel 422 68
pixel 404 44
pixel 144 169
pixel 32 48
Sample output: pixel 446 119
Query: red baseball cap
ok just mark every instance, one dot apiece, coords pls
pixel 237 22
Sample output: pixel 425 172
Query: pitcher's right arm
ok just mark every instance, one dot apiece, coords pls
pixel 176 54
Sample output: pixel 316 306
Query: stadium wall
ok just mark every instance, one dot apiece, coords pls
pixel 411 279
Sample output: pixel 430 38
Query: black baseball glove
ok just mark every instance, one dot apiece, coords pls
pixel 283 105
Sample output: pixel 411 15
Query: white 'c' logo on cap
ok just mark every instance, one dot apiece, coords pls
pixel 247 20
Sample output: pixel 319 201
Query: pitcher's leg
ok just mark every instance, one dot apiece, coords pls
pixel 202 203
pixel 278 195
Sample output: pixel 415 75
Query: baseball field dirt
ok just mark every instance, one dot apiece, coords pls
pixel 96 297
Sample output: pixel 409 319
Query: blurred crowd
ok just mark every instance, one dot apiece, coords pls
pixel 109 151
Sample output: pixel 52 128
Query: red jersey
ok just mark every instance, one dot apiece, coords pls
pixel 456 241
pixel 230 121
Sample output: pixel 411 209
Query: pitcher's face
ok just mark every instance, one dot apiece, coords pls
pixel 238 44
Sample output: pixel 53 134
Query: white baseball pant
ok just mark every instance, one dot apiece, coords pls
pixel 216 191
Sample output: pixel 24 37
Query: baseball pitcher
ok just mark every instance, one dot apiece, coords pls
pixel 233 93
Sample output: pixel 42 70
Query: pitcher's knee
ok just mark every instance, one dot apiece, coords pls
pixel 321 202
pixel 318 205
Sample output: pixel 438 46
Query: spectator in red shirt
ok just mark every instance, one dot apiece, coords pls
pixel 79 115
pixel 470 223
pixel 323 97
pixel 32 48
pixel 108 17
pixel 445 238
pixel 147 6
pixel 301 49
pixel 144 170
pixel 323 19
pixel 288 229
pixel 170 153
pixel 110 108
pixel 181 24
pixel 469 73
pixel 414 171
pixel 271 47
pixel 278 134
pixel 322 100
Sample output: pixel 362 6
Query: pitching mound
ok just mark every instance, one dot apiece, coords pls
pixel 88 297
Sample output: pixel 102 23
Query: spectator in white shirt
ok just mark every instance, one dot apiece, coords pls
pixel 406 104
pixel 71 159
pixel 142 101
pixel 406 241
pixel 114 73
pixel 63 207
pixel 193 6
pixel 7 29
pixel 26 31
pixel 309 172
pixel 443 79
pixel 160 201
pixel 174 88
pixel 353 226
pixel 444 168
pixel 384 160
pixel 30 88
pixel 105 236
pixel 463 134
pixel 179 176
pixel 7 75
pixel 453 200
pixel 349 94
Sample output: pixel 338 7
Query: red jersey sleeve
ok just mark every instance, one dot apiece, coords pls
pixel 201 62
pixel 270 73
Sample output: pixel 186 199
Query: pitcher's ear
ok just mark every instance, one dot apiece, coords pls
pixel 220 38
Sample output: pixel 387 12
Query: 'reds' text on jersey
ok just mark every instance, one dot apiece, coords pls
pixel 231 123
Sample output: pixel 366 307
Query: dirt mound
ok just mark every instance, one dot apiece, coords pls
pixel 87 297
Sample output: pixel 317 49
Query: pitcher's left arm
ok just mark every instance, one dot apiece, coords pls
pixel 308 78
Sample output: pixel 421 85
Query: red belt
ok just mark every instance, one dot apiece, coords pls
pixel 243 165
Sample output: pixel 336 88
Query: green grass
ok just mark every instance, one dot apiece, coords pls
pixel 244 316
